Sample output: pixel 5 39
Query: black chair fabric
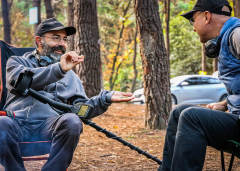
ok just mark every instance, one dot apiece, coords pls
pixel 6 51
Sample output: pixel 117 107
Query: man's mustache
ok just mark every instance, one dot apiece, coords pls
pixel 59 48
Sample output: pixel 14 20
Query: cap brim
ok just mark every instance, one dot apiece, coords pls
pixel 189 14
pixel 69 30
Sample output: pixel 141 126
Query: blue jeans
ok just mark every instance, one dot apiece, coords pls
pixel 190 130
pixel 64 132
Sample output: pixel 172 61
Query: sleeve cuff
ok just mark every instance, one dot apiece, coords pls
pixel 59 70
pixel 109 96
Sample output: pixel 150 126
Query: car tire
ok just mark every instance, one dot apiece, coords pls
pixel 174 99
pixel 223 97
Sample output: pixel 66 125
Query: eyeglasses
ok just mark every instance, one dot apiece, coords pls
pixel 191 20
pixel 58 39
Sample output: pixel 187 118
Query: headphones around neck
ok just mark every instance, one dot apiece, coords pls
pixel 212 47
pixel 43 61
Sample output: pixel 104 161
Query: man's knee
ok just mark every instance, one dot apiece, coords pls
pixel 193 114
pixel 8 133
pixel 6 123
pixel 175 114
pixel 195 110
pixel 72 124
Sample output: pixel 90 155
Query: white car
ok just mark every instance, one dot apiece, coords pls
pixel 192 89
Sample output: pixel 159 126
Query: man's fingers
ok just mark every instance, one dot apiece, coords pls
pixel 69 60
pixel 122 99
pixel 209 106
pixel 128 94
pixel 122 96
pixel 77 59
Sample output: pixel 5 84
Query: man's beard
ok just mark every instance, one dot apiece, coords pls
pixel 50 52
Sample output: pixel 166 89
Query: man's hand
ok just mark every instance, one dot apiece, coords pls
pixel 222 106
pixel 121 97
pixel 69 60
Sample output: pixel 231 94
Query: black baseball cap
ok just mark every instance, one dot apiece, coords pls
pixel 214 6
pixel 52 24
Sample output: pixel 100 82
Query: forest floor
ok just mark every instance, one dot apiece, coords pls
pixel 96 152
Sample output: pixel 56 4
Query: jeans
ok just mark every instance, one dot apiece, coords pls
pixel 190 130
pixel 64 132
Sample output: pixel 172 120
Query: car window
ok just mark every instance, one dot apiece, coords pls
pixel 204 80
pixel 214 81
pixel 193 81
pixel 177 80
pixel 208 80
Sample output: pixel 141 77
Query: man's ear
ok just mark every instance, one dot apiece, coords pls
pixel 38 41
pixel 208 17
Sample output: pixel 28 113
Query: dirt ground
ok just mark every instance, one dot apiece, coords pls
pixel 96 152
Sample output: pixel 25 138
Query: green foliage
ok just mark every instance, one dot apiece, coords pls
pixel 111 20
pixel 21 31
pixel 60 10
pixel 185 47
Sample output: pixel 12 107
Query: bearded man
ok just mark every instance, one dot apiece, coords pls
pixel 53 77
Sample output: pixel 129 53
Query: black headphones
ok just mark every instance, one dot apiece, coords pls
pixel 43 61
pixel 212 47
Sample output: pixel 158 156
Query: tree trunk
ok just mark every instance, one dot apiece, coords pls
pixel 236 7
pixel 71 23
pixel 134 63
pixel 167 20
pixel 37 3
pixel 6 21
pixel 87 43
pixel 155 64
pixel 215 64
pixel 49 9
pixel 204 59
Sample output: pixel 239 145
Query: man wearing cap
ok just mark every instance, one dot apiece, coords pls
pixel 53 77
pixel 191 128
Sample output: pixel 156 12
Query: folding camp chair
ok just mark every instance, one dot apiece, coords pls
pixel 29 150
pixel 232 147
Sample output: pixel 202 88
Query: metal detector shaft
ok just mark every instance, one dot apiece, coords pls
pixel 49 101
pixel 109 134
pixel 119 139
